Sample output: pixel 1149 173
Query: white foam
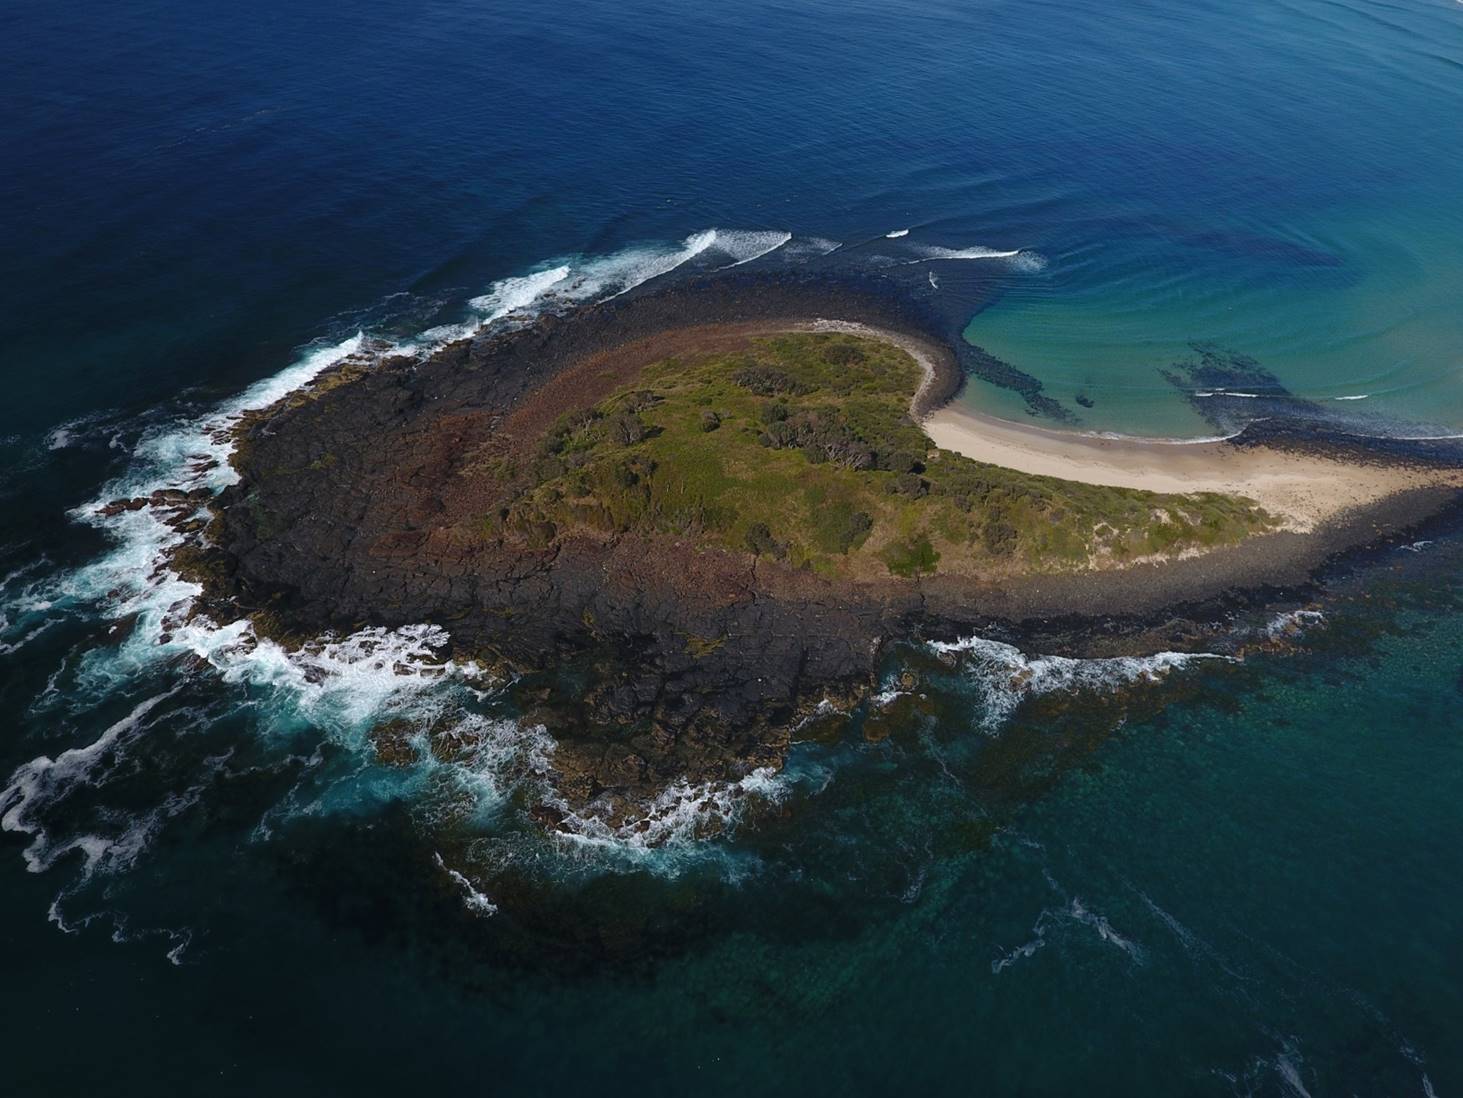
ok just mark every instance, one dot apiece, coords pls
pixel 44 781
pixel 476 902
pixel 183 940
pixel 748 245
pixel 495 757
pixel 1165 440
pixel 934 282
pixel 1293 623
pixel 1006 676
pixel 1358 396
pixel 826 707
pixel 514 294
pixel 635 267
pixel 1078 912
pixel 811 247
pixel 934 251
pixel 339 682
pixel 580 279
pixel 347 678
pixel 1020 258
pixel 58 438
pixel 1075 912
pixel 1020 953
pixel 896 234
pixel 682 815
pixel 1288 1063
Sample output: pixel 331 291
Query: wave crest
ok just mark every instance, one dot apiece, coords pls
pixel 1005 676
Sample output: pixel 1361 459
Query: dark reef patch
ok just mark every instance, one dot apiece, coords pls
pixel 1236 394
pixel 988 367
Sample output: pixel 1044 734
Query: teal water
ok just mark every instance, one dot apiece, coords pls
pixel 1317 229
pixel 1239 879
pixel 1375 337
pixel 1028 876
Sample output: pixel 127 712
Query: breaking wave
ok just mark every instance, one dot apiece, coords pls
pixel 1005 676
pixel 564 283
pixel 750 245
pixel 683 814
pixel 1019 258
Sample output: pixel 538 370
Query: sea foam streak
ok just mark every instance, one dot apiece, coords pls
pixel 934 251
pixel 1020 258
pixel 1075 913
pixel 1006 676
pixel 803 248
pixel 44 781
pixel 475 901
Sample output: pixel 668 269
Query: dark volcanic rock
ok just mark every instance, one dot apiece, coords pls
pixel 362 501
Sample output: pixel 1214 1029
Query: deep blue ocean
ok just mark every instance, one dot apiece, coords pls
pixel 1042 876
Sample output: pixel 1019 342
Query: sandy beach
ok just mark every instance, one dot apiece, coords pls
pixel 1301 490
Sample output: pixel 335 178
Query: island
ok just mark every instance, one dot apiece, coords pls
pixel 677 525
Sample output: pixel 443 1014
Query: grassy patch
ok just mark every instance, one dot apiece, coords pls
pixel 802 450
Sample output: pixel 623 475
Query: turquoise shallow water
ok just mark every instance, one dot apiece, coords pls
pixel 1040 877
pixel 1371 333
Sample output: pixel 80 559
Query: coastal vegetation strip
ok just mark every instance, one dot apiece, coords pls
pixel 801 448
pixel 1301 489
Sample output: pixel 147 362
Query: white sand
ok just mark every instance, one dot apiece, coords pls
pixel 1301 490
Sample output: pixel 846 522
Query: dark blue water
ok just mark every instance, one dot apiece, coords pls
pixel 1234 878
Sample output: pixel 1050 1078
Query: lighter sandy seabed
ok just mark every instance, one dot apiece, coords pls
pixel 1301 490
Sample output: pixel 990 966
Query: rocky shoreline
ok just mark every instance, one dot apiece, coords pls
pixel 650 660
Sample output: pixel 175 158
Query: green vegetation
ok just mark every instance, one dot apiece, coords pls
pixel 802 450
